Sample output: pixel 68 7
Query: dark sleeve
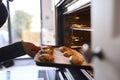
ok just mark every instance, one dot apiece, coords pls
pixel 0 2
pixel 11 51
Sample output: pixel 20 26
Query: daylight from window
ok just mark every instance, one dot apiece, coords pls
pixel 25 20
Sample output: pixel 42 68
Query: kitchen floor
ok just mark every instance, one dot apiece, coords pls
pixel 24 69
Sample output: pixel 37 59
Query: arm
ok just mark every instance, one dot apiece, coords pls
pixel 11 51
pixel 0 1
pixel 18 49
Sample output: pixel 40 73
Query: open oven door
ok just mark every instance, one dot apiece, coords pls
pixel 106 37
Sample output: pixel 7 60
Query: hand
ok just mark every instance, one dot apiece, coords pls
pixel 30 48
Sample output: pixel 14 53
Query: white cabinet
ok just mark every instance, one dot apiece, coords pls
pixel 106 35
pixel 47 22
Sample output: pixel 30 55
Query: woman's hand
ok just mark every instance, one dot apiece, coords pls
pixel 30 48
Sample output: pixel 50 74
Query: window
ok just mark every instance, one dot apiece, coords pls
pixel 25 20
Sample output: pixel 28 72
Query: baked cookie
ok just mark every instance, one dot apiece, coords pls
pixel 64 48
pixel 77 59
pixel 48 47
pixel 46 58
pixel 47 50
pixel 68 53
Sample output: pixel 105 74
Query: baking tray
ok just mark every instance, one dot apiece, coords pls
pixel 61 61
pixel 59 65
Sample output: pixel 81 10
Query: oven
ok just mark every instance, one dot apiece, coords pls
pixel 65 74
pixel 73 22
pixel 73 29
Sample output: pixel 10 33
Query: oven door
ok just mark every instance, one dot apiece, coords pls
pixel 106 36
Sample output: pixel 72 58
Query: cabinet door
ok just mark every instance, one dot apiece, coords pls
pixel 106 35
pixel 48 35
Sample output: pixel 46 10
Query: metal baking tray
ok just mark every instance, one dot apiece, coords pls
pixel 61 61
